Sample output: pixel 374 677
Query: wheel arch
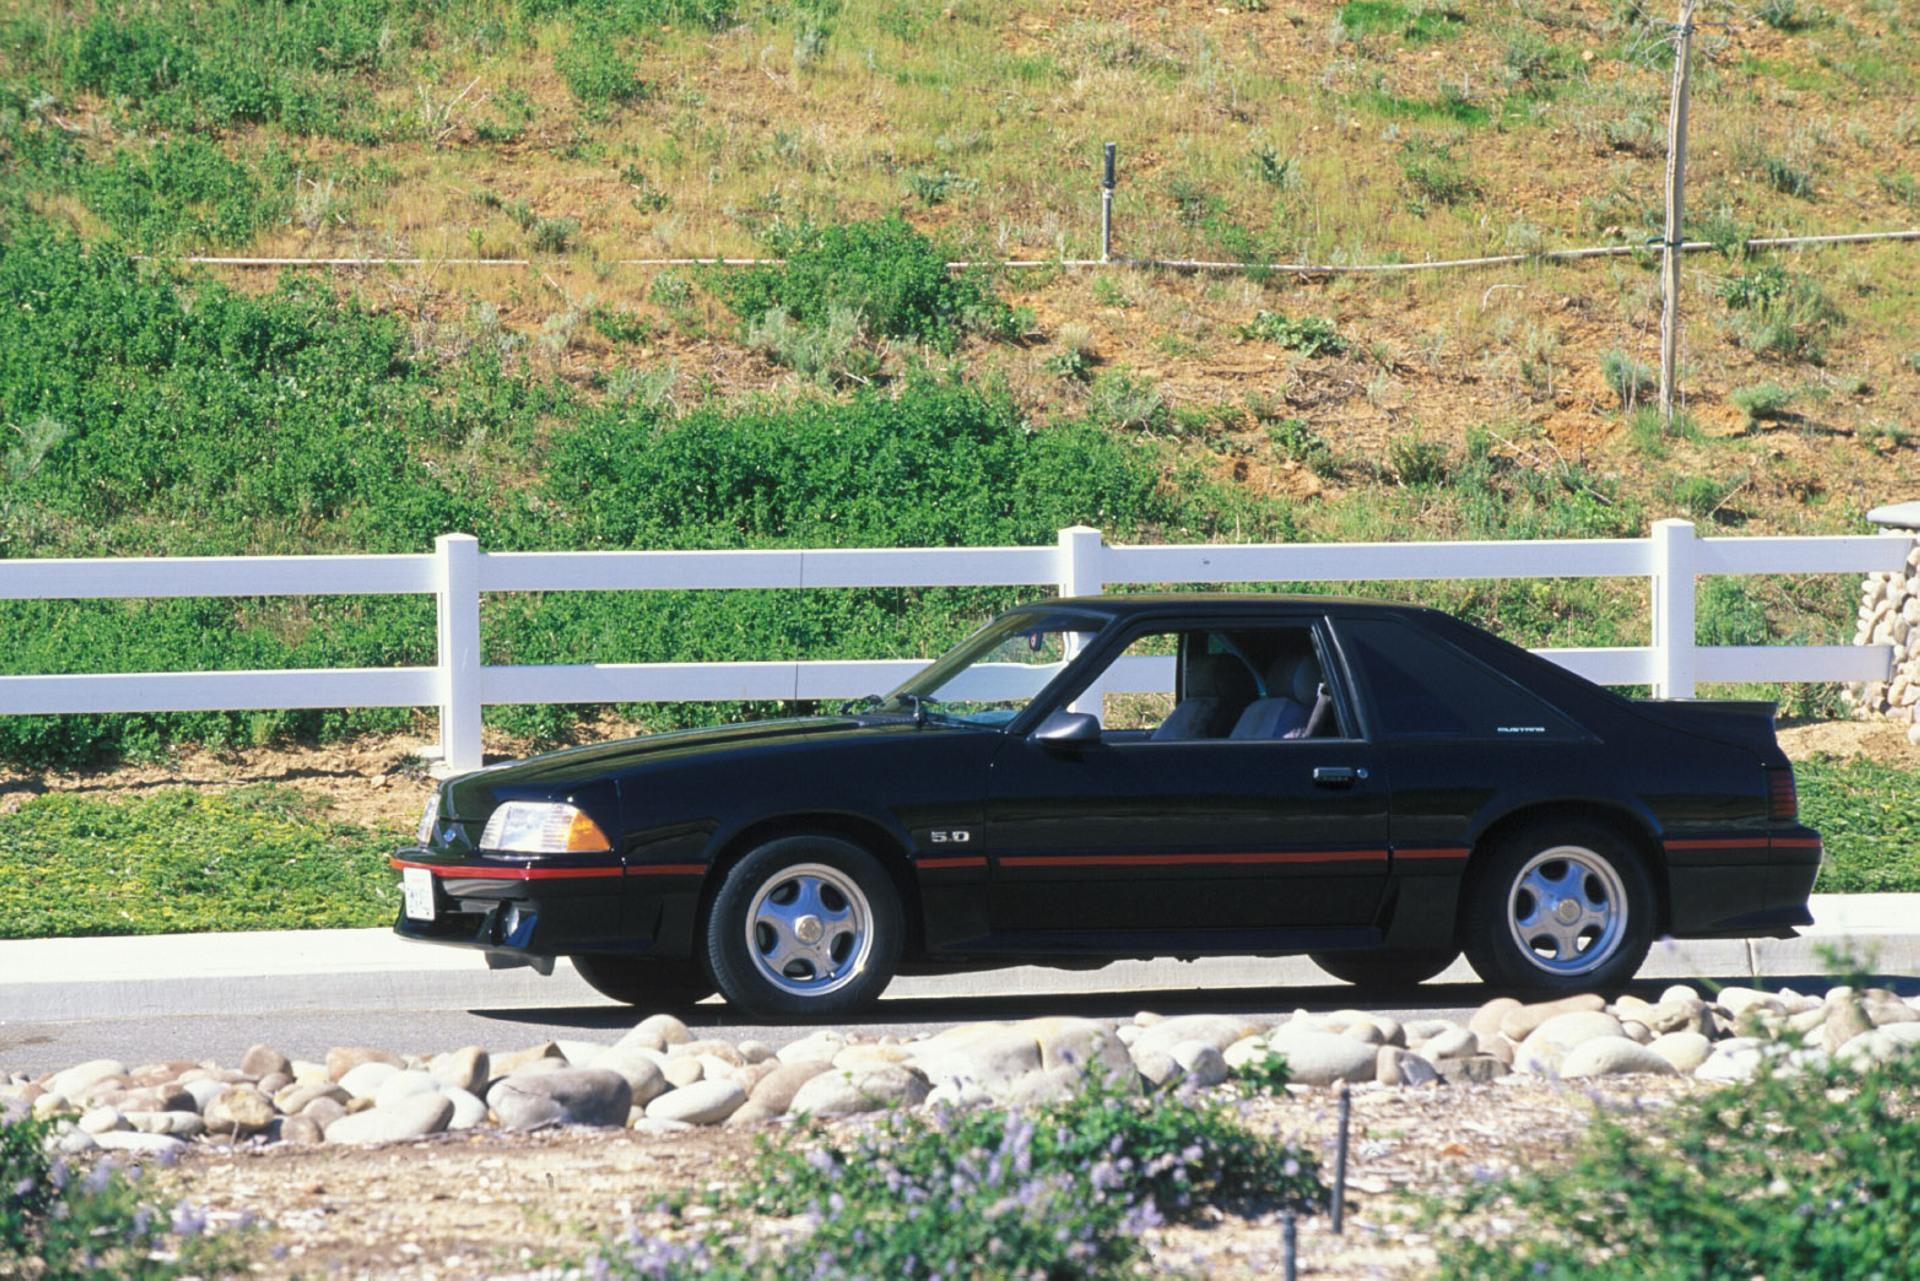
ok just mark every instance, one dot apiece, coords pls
pixel 1636 827
pixel 874 837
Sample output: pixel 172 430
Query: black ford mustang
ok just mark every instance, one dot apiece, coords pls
pixel 1376 785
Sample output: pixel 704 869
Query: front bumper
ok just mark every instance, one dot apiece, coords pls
pixel 519 910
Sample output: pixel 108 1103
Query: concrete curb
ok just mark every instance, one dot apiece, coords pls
pixel 60 980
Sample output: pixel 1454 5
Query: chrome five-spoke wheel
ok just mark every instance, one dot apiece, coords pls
pixel 1560 905
pixel 810 930
pixel 804 927
pixel 1568 910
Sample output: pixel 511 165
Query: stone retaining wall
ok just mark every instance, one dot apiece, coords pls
pixel 1890 615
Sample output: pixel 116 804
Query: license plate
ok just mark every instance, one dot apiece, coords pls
pixel 416 888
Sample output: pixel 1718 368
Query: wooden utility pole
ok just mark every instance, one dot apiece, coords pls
pixel 1676 198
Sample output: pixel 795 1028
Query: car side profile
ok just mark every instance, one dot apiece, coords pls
pixel 1379 786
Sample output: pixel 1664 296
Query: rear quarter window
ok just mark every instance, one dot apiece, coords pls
pixel 1419 686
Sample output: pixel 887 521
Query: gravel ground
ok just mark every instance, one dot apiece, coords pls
pixel 490 1204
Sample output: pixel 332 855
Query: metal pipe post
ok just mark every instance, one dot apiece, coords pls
pixel 1290 1247
pixel 1340 1160
pixel 1106 208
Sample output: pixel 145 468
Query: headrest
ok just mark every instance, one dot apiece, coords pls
pixel 1212 676
pixel 1304 684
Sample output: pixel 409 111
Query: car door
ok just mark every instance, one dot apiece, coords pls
pixel 1138 835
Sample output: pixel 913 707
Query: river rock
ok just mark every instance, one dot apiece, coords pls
pixel 239 1111
pixel 1738 1000
pixel 1686 1051
pixel 364 1081
pixel 820 1046
pixel 682 1072
pixel 668 1029
pixel 1549 1042
pixel 1518 1024
pixel 1476 1069
pixel 263 1060
pixel 296 1096
pixel 467 1068
pixel 1679 1014
pixel 75 1081
pixel 182 1125
pixel 402 1084
pixel 1488 1019
pixel 1322 1058
pixel 565 1096
pixel 138 1143
pixel 303 1130
pixel 837 1093
pixel 1217 1030
pixel 342 1059
pixel 507 1064
pixel 645 1078
pixel 101 1119
pixel 468 1108
pixel 1613 1056
pixel 754 1051
pixel 702 1103
pixel 1202 1063
pixel 775 1092
pixel 324 1111
pixel 1881 1012
pixel 855 1058
pixel 413 1117
pixel 1454 1043
pixel 1845 1020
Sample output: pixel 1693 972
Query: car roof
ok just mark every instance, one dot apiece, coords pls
pixel 1132 605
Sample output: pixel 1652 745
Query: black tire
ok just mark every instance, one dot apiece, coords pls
pixel 859 908
pixel 1384 967
pixel 651 983
pixel 1494 900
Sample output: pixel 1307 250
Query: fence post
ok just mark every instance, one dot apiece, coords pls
pixel 1676 192
pixel 1673 629
pixel 1078 573
pixel 459 637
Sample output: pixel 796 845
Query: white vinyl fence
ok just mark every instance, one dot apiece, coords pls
pixel 1080 564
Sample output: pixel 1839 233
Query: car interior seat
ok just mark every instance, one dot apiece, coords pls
pixel 1297 705
pixel 1217 687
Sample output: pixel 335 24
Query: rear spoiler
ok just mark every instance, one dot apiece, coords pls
pixel 1744 723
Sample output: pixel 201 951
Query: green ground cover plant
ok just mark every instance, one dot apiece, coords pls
pixel 1061 1191
pixel 1809 1171
pixel 57 1221
pixel 185 861
pixel 1864 811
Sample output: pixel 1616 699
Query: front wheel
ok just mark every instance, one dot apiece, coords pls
pixel 804 927
pixel 655 984
pixel 1384 967
pixel 1557 908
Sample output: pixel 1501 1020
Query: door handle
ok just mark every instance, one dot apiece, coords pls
pixel 1337 775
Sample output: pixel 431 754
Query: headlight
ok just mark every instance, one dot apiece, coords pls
pixel 542 827
pixel 429 820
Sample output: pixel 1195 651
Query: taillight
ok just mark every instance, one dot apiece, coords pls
pixel 1783 801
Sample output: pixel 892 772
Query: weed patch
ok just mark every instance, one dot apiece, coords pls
pixel 1309 335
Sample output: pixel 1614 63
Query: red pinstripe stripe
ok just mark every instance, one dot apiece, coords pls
pixel 1162 860
pixel 1438 851
pixel 1796 842
pixel 949 862
pixel 509 874
pixel 667 869
pixel 1719 843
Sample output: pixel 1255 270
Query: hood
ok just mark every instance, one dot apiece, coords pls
pixel 555 774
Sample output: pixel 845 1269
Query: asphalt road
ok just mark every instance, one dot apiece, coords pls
pixel 36 1047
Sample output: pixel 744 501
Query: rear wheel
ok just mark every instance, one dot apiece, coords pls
pixel 657 984
pixel 1385 967
pixel 1559 907
pixel 804 927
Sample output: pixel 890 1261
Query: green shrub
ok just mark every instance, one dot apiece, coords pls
pixel 1788 177
pixel 833 353
pixel 1061 1192
pixel 1700 497
pixel 1786 15
pixel 1812 1172
pixel 1861 808
pixel 1122 399
pixel 932 189
pixel 1629 379
pixel 637 15
pixel 1265 1076
pixel 1434 173
pixel 599 70
pixel 895 279
pixel 553 235
pixel 1312 335
pixel 60 1222
pixel 1296 439
pixel 1782 314
pixel 622 328
pixel 1761 402
pixel 186 194
pixel 1417 461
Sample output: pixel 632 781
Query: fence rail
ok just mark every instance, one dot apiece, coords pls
pixel 458 573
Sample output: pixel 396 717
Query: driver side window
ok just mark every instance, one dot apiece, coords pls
pixel 1229 684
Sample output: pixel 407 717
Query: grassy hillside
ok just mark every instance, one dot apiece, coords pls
pixel 864 396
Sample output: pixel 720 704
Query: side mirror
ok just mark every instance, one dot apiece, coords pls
pixel 1068 729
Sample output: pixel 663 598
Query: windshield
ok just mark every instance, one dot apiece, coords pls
pixel 992 675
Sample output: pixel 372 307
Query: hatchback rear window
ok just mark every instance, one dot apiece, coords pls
pixel 1419 686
